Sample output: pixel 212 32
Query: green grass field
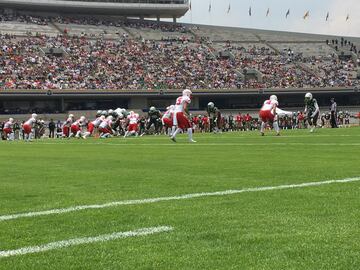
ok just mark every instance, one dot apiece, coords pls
pixel 313 227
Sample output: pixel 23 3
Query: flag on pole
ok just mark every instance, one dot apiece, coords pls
pixel 307 14
pixel 347 17
pixel 287 13
pixel 327 16
pixel 267 12
pixel 229 8
pixel 209 7
pixel 249 11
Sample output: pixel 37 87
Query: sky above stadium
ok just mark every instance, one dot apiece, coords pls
pixel 238 16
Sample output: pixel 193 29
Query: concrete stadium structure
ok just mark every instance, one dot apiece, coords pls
pixel 127 8
pixel 250 99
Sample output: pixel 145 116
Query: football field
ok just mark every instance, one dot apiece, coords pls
pixel 230 201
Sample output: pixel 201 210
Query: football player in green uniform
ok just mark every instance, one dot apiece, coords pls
pixel 347 119
pixel 154 118
pixel 119 115
pixel 215 117
pixel 312 111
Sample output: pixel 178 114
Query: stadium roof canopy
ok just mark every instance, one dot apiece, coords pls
pixel 128 8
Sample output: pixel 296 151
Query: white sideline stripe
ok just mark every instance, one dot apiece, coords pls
pixel 171 198
pixel 86 240
pixel 210 144
pixel 234 144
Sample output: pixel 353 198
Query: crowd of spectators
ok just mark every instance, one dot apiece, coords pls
pixel 284 70
pixel 99 64
pixel 38 20
pixel 332 71
pixel 139 64
pixel 343 44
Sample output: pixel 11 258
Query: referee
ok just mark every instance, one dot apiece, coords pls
pixel 333 113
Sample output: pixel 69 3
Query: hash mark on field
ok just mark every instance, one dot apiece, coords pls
pixel 171 198
pixel 82 241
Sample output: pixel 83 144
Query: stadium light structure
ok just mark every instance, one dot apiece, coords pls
pixel 127 8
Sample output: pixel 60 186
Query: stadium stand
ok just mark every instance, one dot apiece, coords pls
pixel 65 52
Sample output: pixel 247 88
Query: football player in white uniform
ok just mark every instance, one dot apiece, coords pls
pixel 93 124
pixel 268 114
pixel 77 127
pixel 167 119
pixel 66 126
pixel 28 127
pixel 105 127
pixel 182 116
pixel 133 119
pixel 8 129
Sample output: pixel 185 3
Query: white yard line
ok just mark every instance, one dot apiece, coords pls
pixel 82 241
pixel 171 198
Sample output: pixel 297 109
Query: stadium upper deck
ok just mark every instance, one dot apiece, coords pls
pixel 137 8
pixel 91 53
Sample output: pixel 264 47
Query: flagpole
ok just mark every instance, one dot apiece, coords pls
pixel 327 21
pixel 210 17
pixel 250 15
pixel 191 17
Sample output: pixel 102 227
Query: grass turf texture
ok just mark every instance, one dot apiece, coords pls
pixel 307 228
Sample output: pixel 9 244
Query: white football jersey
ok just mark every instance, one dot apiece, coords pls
pixel 269 105
pixel 133 119
pixel 180 103
pixel 168 114
pixel 30 122
pixel 68 122
pixel 106 123
pixel 79 123
pixel 96 122
pixel 8 124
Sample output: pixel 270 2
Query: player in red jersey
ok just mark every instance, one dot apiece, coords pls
pixel 205 123
pixel 238 120
pixel 195 122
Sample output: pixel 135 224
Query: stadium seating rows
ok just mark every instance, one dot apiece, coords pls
pixel 88 53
